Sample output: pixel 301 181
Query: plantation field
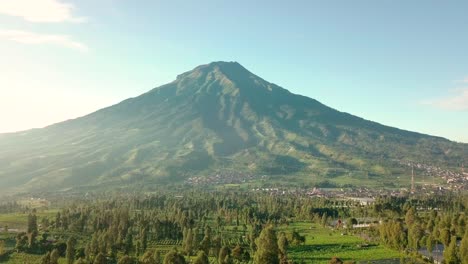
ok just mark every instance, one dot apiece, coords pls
pixel 323 243
pixel 24 258
pixel 20 220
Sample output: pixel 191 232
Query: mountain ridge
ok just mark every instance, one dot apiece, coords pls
pixel 216 115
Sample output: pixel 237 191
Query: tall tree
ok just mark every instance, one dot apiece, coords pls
pixel 237 253
pixel 283 247
pixel 148 258
pixel 157 256
pixel 267 247
pixel 128 243
pixel 188 242
pixel 445 236
pixel 464 248
pixel 32 223
pixel 450 253
pixel 46 258
pixel 205 244
pixel 224 255
pixel 71 244
pixel 430 244
pixel 81 261
pixel 201 258
pixel 144 238
pixel 283 243
pixel 410 217
pixel 54 256
pixel 100 259
pixel 126 260
pixel 174 257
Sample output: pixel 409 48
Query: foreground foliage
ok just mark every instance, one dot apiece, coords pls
pixel 236 227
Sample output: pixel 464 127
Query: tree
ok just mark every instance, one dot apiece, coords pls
pixel 144 238
pixel 71 244
pixel 201 258
pixel 237 253
pixel 216 245
pixel 415 233
pixel 195 242
pixel 128 242
pixel 81 261
pixel 100 259
pixel 188 242
pixel 32 229
pixel 445 236
pixel 54 256
pixel 450 253
pixel 157 257
pixel 21 242
pixel 44 237
pixel 32 223
pixel 125 260
pixel 205 244
pixel 283 244
pixel 393 235
pixel 464 248
pixel 31 237
pixel 58 220
pixel 148 258
pixel 267 247
pixel 224 255
pixel 174 257
pixel 430 244
pixel 246 256
pixel 138 247
pixel 410 217
pixel 283 248
pixel 46 258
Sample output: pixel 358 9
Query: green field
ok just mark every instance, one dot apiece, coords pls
pixel 323 243
pixel 19 220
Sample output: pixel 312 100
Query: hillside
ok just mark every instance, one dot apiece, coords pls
pixel 218 116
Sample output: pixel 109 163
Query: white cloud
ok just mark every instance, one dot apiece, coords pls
pixel 51 11
pixel 455 102
pixel 26 37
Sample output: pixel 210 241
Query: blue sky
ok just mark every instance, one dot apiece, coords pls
pixel 400 63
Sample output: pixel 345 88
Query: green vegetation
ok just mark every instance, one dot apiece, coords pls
pixel 215 117
pixel 321 244
pixel 235 227
pixel 20 220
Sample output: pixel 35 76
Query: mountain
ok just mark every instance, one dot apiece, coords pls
pixel 216 117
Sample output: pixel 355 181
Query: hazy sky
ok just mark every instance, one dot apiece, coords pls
pixel 401 63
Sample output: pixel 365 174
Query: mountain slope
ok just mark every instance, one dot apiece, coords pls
pixel 216 116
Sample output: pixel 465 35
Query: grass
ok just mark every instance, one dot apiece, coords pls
pixel 20 220
pixel 323 243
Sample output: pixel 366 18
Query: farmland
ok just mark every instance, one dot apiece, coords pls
pixel 230 226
